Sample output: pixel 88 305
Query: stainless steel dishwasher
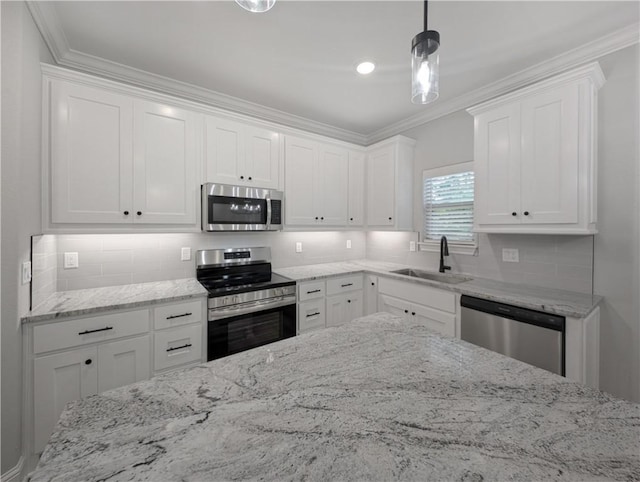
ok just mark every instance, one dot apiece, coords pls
pixel 530 336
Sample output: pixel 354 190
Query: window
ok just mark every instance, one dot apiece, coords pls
pixel 448 208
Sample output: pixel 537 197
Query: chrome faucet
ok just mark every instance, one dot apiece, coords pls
pixel 444 251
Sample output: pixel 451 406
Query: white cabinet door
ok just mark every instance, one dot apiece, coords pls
pixel 262 158
pixel 497 166
pixel 332 174
pixel 370 294
pixel 165 157
pixel 91 155
pixel 381 187
pixel 356 188
pixel 336 310
pixel 123 362
pixel 550 157
pixel 59 379
pixel 355 305
pixel 439 321
pixel 223 150
pixel 394 306
pixel 300 161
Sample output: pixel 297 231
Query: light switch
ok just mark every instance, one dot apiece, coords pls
pixel 298 247
pixel 70 260
pixel 26 272
pixel 412 245
pixel 510 255
pixel 185 254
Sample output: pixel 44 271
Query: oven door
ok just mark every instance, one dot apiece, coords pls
pixel 258 326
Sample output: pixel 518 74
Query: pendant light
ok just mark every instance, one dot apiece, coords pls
pixel 425 63
pixel 256 6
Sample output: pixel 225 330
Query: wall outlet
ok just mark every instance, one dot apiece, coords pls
pixel 510 255
pixel 70 260
pixel 298 247
pixel 412 245
pixel 185 254
pixel 348 244
pixel 26 272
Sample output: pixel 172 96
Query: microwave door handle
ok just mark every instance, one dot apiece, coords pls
pixel 268 213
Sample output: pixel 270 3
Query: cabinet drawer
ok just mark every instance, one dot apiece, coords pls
pixel 177 314
pixel 311 316
pixel 311 290
pixel 341 285
pixel 177 346
pixel 418 293
pixel 66 334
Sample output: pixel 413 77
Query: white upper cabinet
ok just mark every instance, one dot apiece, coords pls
pixel 316 183
pixel 390 184
pixel 535 157
pixel 356 188
pixel 241 154
pixel 117 160
pixel 165 153
pixel 91 139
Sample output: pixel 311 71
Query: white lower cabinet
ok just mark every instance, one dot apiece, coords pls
pixel 437 309
pixel 311 316
pixel 69 360
pixel 344 308
pixel 370 294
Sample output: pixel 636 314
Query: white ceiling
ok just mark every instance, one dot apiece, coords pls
pixel 300 57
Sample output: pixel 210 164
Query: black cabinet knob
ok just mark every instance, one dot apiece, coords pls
pixel 348 301
pixel 406 311
pixel 316 218
pixel 126 213
pixel 413 313
pixel 373 284
pixel 249 178
pixel 514 213
pixel 88 362
pixel 350 219
pixel 390 219
pixel 322 218
pixel 526 213
pixel 139 213
pixel 241 177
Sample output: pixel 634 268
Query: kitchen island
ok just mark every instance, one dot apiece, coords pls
pixel 376 399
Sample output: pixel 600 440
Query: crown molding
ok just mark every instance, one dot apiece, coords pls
pixel 588 52
pixel 49 25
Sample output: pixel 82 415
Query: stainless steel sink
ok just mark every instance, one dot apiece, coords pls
pixel 452 279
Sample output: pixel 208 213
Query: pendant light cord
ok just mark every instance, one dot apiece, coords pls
pixel 426 9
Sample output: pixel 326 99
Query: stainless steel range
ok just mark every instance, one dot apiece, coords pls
pixel 248 304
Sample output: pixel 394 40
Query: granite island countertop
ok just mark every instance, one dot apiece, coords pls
pixel 64 304
pixel 560 302
pixel 375 399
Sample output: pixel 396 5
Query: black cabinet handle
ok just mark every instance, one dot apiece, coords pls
pixel 88 361
pixel 313 314
pixel 348 284
pixel 514 213
pixel 179 347
pixel 86 332
pixel 313 291
pixel 139 213
pixel 178 316
pixel 126 213
pixel 526 213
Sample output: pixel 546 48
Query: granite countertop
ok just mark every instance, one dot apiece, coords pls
pixel 64 304
pixel 375 399
pixel 565 303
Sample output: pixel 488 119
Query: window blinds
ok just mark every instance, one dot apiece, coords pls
pixel 448 207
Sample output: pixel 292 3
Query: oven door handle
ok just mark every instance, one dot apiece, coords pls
pixel 246 308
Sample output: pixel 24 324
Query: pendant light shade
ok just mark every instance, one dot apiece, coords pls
pixel 425 65
pixel 256 6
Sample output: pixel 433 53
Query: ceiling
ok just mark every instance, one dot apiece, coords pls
pixel 300 57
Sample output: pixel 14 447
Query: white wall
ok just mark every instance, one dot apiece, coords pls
pixel 616 245
pixel 22 51
pixel 615 258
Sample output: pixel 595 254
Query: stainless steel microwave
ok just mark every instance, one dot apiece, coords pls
pixel 240 208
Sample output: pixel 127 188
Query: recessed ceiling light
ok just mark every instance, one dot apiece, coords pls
pixel 365 68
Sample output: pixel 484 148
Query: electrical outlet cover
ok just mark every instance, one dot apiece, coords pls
pixel 412 245
pixel 298 247
pixel 71 260
pixel 185 254
pixel 510 255
pixel 348 244
pixel 26 272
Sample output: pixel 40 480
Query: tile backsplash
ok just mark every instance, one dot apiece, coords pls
pixel 560 262
pixel 44 268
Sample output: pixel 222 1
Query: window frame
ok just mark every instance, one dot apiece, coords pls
pixel 456 247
